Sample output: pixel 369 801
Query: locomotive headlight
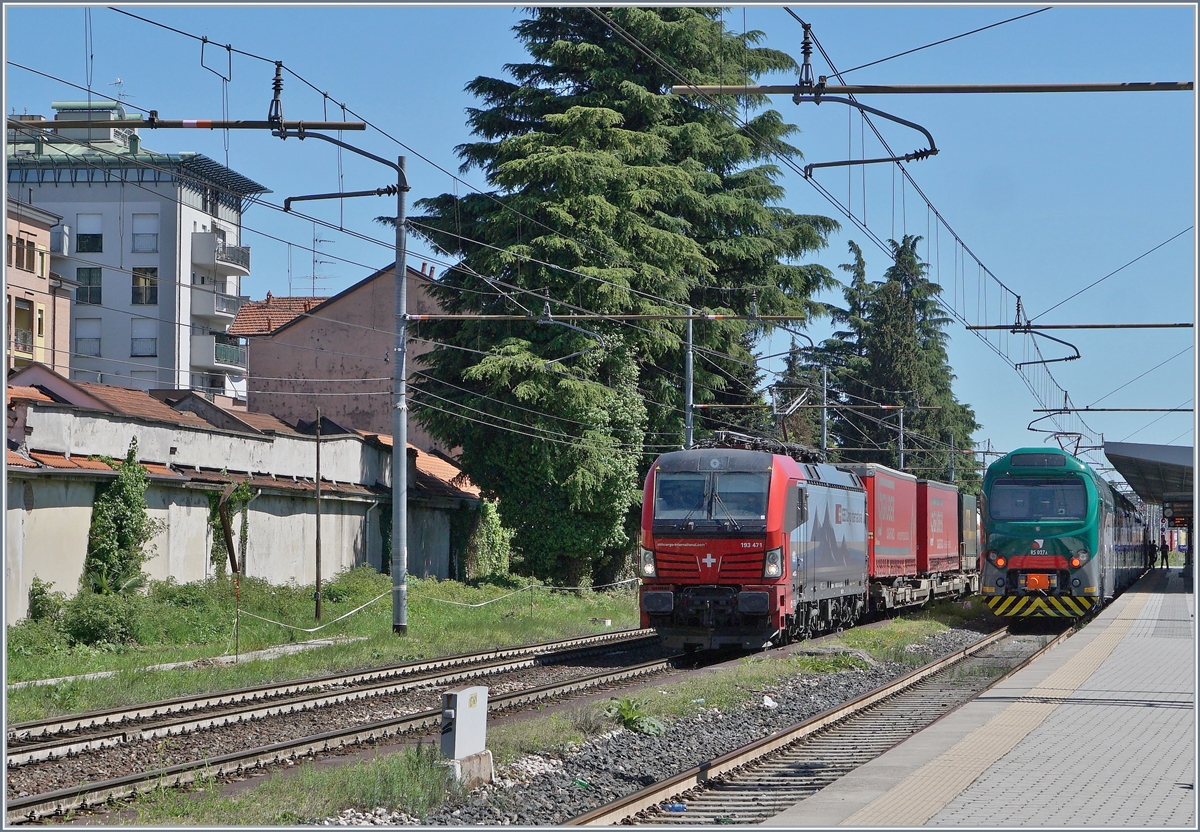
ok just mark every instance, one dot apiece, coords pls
pixel 648 568
pixel 773 564
pixel 1000 561
pixel 1080 558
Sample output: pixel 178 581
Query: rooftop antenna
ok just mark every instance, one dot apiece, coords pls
pixel 121 94
pixel 317 260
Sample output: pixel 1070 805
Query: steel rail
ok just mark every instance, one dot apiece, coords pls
pixel 35 807
pixel 106 717
pixel 65 748
pixel 615 812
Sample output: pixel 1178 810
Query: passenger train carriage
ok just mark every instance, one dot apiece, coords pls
pixel 1058 540
pixel 748 542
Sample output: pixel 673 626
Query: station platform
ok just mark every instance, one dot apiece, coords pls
pixel 1098 732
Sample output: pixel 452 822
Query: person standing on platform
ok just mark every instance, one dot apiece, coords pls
pixel 1149 553
pixel 1165 551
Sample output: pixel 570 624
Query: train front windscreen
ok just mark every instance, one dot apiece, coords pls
pixel 1025 500
pixel 715 500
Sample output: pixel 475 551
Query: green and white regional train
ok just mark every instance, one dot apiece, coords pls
pixel 1057 539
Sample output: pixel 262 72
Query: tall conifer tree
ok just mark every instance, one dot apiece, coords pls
pixel 607 194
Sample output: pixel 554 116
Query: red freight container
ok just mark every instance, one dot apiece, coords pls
pixel 892 520
pixel 937 527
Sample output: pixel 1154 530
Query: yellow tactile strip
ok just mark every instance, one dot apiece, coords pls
pixel 926 791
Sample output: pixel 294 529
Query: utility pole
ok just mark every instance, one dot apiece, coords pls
pixel 824 413
pixel 952 452
pixel 318 595
pixel 400 422
pixel 901 438
pixel 687 383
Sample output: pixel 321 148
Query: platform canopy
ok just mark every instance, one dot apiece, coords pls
pixel 1156 473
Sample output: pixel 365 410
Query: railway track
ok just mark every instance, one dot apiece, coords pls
pixel 59 737
pixel 35 807
pixel 761 779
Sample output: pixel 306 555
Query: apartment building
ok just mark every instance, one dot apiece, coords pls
pixel 37 301
pixel 153 242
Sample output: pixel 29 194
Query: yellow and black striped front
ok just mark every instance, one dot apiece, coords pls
pixel 1057 606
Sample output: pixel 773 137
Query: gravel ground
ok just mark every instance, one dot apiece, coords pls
pixel 550 789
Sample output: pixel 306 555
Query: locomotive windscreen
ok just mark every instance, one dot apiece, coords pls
pixel 716 496
pixel 1060 499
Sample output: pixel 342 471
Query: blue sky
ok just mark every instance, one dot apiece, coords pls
pixel 1050 192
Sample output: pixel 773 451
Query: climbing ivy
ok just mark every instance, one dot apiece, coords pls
pixel 239 501
pixel 121 529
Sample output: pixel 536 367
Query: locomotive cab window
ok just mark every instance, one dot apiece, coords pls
pixel 679 495
pixel 712 497
pixel 1059 499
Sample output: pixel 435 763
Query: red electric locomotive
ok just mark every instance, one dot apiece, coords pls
pixel 748 542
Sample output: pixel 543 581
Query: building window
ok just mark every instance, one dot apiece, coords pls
pixel 145 285
pixel 88 290
pixel 211 201
pixel 41 322
pixel 145 232
pixel 23 254
pixel 144 379
pixel 22 326
pixel 87 336
pixel 89 236
pixel 144 340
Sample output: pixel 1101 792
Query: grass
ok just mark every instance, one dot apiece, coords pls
pixel 413 781
pixel 196 621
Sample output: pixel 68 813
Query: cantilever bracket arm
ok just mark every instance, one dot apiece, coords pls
pixel 303 134
pixel 547 318
pixel 916 155
pixel 1028 331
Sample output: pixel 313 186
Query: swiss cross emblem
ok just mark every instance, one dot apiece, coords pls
pixel 709 560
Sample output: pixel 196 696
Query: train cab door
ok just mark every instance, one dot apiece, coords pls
pixel 795 519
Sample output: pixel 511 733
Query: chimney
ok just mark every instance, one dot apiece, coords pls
pixel 135 144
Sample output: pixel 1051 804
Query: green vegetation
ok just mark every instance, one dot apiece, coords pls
pixel 170 622
pixel 660 202
pixel 628 712
pixel 413 781
pixel 891 348
pixel 120 530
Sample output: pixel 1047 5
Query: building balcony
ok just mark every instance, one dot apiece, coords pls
pixel 218 352
pixel 210 251
pixel 214 305
pixel 22 341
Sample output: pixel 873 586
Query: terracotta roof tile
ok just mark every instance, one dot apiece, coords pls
pixel 16 460
pixel 262 421
pixel 434 468
pixel 90 464
pixel 60 461
pixel 155 469
pixel 262 317
pixel 129 402
pixel 444 471
pixel 29 394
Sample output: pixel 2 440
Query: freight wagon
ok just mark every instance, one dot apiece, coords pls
pixel 748 542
